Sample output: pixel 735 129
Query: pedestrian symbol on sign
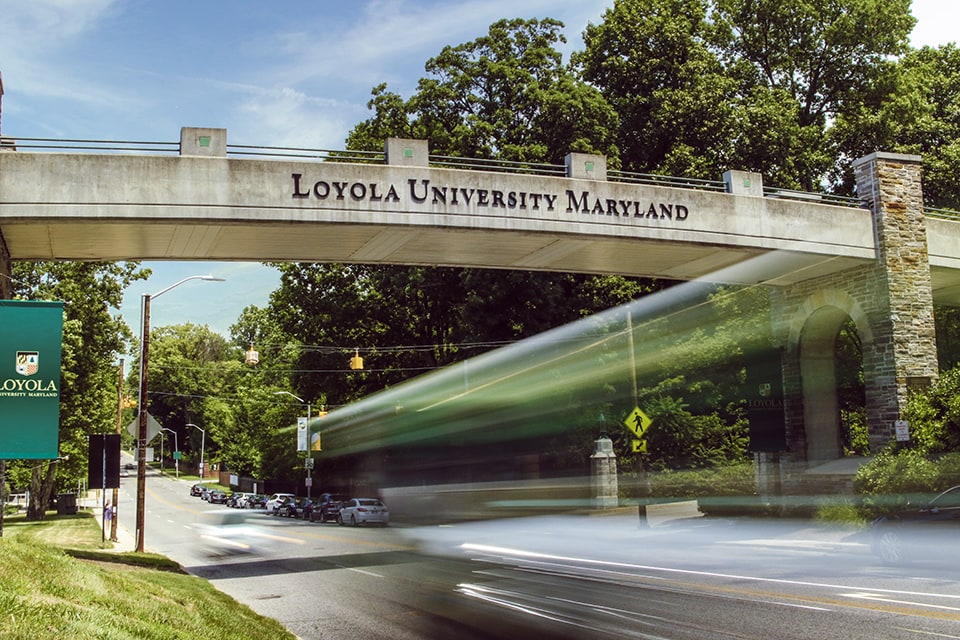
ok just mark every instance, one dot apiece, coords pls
pixel 637 422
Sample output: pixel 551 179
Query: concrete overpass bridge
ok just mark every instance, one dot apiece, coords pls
pixel 881 261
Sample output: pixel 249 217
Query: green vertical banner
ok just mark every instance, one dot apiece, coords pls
pixel 765 408
pixel 31 336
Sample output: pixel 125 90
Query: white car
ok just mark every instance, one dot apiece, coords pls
pixel 356 511
pixel 275 499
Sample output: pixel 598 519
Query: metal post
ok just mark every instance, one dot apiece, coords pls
pixel 142 419
pixel 176 450
pixel 302 401
pixel 142 431
pixel 203 439
pixel 116 491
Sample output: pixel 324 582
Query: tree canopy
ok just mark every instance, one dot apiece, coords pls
pixel 92 342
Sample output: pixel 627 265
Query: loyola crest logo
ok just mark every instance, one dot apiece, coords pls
pixel 28 362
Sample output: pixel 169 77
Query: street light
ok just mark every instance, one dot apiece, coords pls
pixel 142 405
pixel 203 439
pixel 302 401
pixel 176 450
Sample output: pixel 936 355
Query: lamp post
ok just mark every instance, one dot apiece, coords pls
pixel 142 405
pixel 203 440
pixel 176 450
pixel 302 401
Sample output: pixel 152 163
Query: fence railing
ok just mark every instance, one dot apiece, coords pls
pixel 10 143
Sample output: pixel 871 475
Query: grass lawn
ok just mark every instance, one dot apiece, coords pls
pixel 59 581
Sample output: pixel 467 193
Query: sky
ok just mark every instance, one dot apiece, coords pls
pixel 291 73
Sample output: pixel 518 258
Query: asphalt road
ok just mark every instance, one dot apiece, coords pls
pixel 576 576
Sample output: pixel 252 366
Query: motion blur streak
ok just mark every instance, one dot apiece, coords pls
pixel 487 419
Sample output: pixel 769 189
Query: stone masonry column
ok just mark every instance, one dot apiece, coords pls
pixel 603 465
pixel 903 355
pixel 6 286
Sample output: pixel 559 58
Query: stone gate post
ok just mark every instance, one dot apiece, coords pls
pixel 904 351
pixel 603 464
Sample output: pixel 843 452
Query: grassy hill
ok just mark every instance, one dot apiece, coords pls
pixel 57 581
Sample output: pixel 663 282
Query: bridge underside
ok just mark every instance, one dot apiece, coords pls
pixel 414 245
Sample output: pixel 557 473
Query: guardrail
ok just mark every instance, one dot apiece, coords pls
pixel 946 214
pixel 13 143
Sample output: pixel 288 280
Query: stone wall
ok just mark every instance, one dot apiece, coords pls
pixel 891 304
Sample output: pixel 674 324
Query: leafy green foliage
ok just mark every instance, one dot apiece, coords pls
pixel 505 95
pixel 702 86
pixel 911 107
pixel 930 462
pixel 934 416
pixel 92 340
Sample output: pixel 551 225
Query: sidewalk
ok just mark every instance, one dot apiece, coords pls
pixel 125 540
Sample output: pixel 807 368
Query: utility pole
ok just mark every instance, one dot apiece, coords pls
pixel 116 490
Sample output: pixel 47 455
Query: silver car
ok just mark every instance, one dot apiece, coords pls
pixel 357 511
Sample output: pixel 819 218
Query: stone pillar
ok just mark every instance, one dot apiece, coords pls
pixel 603 464
pixel 904 350
pixel 6 285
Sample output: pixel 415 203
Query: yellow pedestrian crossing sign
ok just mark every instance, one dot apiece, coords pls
pixel 637 422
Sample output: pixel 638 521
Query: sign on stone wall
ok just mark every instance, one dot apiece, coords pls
pixel 765 410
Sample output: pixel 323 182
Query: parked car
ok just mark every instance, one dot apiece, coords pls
pixel 357 511
pixel 926 532
pixel 287 508
pixel 303 508
pixel 274 501
pixel 205 493
pixel 217 497
pixel 327 507
pixel 255 501
pixel 196 490
pixel 236 500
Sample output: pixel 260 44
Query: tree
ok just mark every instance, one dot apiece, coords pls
pixel 652 63
pixel 913 107
pixel 198 377
pixel 506 95
pixel 92 340
pixel 705 86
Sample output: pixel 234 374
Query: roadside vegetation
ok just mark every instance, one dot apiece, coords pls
pixel 58 581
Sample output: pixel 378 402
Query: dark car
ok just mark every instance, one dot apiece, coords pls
pixel 255 501
pixel 326 508
pixel 196 490
pixel 287 507
pixel 303 508
pixel 927 532
pixel 217 497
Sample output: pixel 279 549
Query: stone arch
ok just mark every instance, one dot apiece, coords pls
pixel 812 339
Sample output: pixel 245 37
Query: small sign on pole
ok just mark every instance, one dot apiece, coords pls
pixel 302 435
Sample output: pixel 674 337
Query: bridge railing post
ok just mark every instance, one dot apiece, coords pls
pixel 585 166
pixel 407 152
pixel 206 142
pixel 743 183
